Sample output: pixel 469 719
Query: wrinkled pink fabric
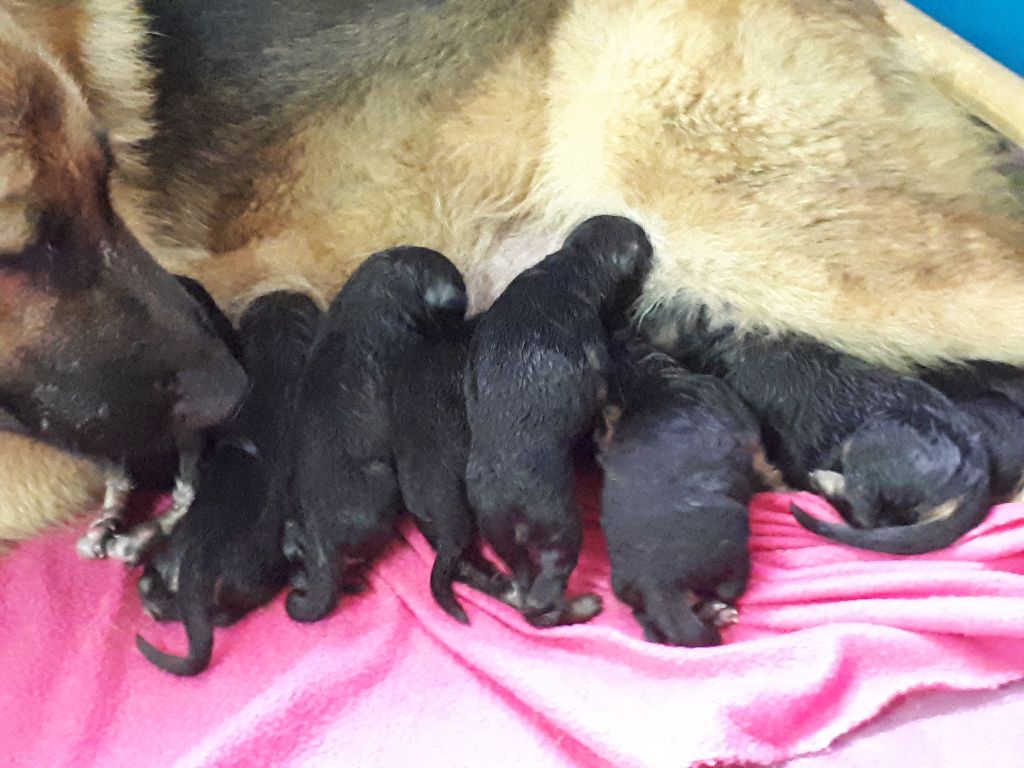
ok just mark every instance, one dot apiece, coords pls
pixel 828 636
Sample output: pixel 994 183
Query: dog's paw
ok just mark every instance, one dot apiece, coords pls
pixel 94 543
pixel 132 546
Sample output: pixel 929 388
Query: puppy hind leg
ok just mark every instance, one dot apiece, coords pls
pixel 504 538
pixel 674 622
pixel 479 573
pixel 546 603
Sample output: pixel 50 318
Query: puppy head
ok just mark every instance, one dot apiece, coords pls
pixel 617 256
pixel 424 285
pixel 101 351
pixel 615 243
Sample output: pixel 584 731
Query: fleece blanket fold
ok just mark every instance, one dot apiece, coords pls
pixel 828 636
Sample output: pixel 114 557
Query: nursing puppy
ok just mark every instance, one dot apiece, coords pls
pixel 681 454
pixel 534 382
pixel 994 395
pixel 431 441
pixel 892 453
pixel 224 558
pixel 344 486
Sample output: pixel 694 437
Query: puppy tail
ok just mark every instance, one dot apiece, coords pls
pixel 199 629
pixel 442 575
pixel 319 595
pixel 929 535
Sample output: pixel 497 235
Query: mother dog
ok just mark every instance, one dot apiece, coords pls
pixel 795 166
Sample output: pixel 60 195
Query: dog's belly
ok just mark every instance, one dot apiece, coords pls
pixel 488 275
pixel 777 175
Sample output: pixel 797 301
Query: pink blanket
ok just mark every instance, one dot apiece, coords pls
pixel 828 636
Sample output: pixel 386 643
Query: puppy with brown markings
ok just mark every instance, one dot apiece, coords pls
pixel 535 381
pixel 899 461
pixel 994 395
pixel 431 441
pixel 890 452
pixel 344 487
pixel 680 454
pixel 224 558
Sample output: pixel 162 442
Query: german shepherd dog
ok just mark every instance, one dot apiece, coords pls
pixel 793 161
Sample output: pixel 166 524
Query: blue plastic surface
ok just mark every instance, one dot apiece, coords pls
pixel 993 26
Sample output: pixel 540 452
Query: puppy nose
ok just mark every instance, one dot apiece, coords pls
pixel 209 395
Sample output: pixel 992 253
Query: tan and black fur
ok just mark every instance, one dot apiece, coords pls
pixel 795 165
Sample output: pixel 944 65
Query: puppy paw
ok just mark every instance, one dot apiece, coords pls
pixel 717 614
pixel 585 607
pixel 513 595
pixel 577 611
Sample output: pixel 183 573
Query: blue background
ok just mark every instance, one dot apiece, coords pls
pixel 994 26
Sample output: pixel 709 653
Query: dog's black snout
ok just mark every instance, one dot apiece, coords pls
pixel 209 395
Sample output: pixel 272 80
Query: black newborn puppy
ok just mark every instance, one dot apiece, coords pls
pixel 893 454
pixel 994 395
pixel 344 486
pixel 431 440
pixel 224 558
pixel 681 456
pixel 534 382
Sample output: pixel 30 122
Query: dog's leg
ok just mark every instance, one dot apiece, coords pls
pixel 96 540
pixel 184 487
pixel 132 546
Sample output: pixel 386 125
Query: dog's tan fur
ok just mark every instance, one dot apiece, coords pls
pixel 42 486
pixel 795 166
